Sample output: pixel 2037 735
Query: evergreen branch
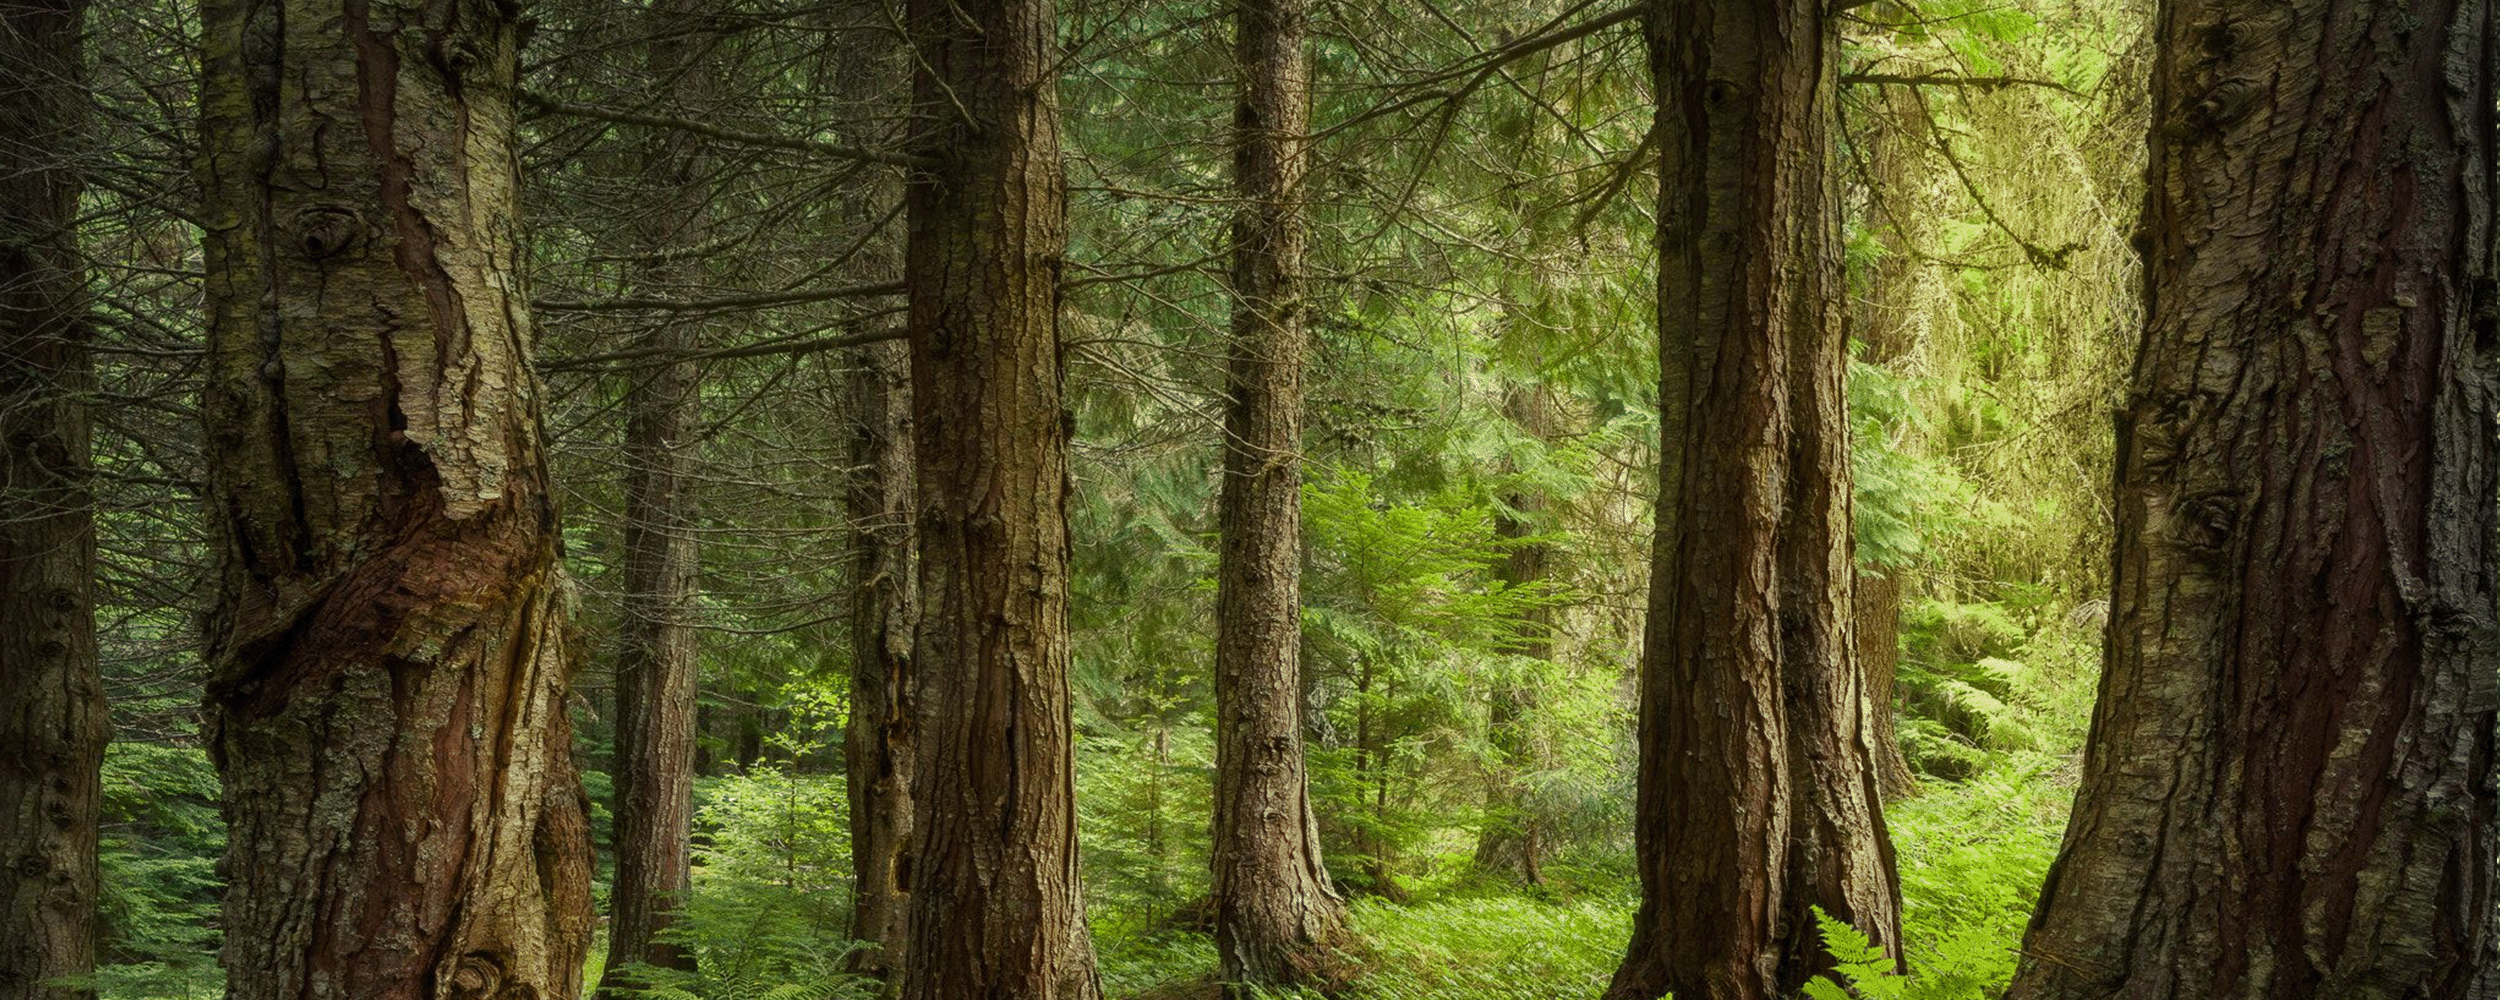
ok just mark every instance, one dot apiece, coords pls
pixel 766 140
pixel 731 303
pixel 1989 83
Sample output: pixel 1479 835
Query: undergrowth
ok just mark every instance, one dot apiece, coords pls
pixel 1972 858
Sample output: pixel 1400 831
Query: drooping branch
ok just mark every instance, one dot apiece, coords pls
pixel 1481 67
pixel 2039 256
pixel 730 303
pixel 1987 83
pixel 764 139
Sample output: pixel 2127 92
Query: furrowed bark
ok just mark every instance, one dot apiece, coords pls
pixel 656 667
pixel 1757 779
pixel 390 642
pixel 2289 786
pixel 997 907
pixel 1278 920
pixel 52 719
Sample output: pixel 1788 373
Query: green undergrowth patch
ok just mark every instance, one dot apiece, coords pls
pixel 1480 948
pixel 1972 857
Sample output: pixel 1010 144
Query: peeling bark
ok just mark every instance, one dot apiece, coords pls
pixel 52 719
pixel 2289 789
pixel 390 643
pixel 1757 774
pixel 879 744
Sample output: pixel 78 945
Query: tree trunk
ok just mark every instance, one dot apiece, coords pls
pixel 1513 839
pixel 1888 324
pixel 885 597
pixel 1879 651
pixel 878 749
pixel 2289 786
pixel 390 643
pixel 53 718
pixel 1757 778
pixel 997 907
pixel 656 665
pixel 1278 920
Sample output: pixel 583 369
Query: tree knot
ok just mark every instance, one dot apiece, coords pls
pixel 327 230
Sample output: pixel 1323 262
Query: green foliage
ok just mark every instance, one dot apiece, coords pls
pixel 1491 948
pixel 1403 622
pixel 769 915
pixel 1961 968
pixel 1145 797
pixel 156 868
pixel 1857 962
pixel 1972 858
pixel 1971 863
pixel 1977 684
pixel 1902 497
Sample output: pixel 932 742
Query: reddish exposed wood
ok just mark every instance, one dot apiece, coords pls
pixel 389 648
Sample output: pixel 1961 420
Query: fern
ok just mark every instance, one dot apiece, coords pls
pixel 1861 964
pixel 1968 966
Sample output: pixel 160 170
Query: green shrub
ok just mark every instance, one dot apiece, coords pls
pixel 156 866
pixel 769 915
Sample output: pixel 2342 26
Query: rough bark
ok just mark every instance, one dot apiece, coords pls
pixel 2289 786
pixel 1513 839
pixel 878 741
pixel 1757 793
pixel 389 646
pixel 53 718
pixel 656 666
pixel 997 907
pixel 1278 920
pixel 1879 653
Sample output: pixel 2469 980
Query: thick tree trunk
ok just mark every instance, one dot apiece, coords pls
pixel 389 648
pixel 1513 839
pixel 1757 777
pixel 2289 787
pixel 656 666
pixel 997 907
pixel 52 719
pixel 1278 920
pixel 878 742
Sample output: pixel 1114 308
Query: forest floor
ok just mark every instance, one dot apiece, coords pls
pixel 1972 858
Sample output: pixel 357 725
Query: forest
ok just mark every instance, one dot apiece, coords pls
pixel 1160 500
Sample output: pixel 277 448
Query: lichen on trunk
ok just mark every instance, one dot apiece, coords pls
pixel 390 644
